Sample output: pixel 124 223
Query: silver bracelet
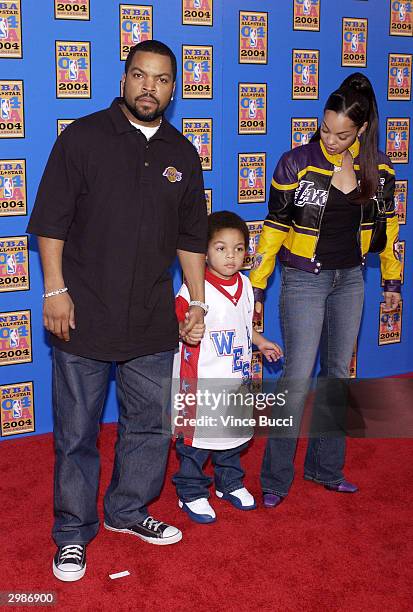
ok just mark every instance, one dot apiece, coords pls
pixel 204 307
pixel 56 292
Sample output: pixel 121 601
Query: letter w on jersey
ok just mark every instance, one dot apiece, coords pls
pixel 306 194
pixel 223 342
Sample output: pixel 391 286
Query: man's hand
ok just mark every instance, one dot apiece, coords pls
pixel 59 315
pixel 193 328
pixel 392 299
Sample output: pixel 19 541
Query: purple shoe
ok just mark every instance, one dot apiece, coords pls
pixel 271 500
pixel 342 487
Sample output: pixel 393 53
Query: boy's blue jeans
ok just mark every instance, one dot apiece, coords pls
pixel 192 483
pixel 317 312
pixel 79 391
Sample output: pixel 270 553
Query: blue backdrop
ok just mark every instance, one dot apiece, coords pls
pixel 40 30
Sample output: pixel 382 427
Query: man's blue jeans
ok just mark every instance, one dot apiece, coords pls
pixel 79 391
pixel 317 312
pixel 192 483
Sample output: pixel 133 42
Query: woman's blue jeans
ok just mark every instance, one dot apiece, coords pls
pixel 317 312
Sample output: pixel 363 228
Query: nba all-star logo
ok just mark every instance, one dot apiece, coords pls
pixel 15 337
pixel 307 15
pixel 13 200
pixel 305 74
pixel 255 229
pixel 73 69
pixel 256 371
pixel 252 108
pixel 16 408
pixel 354 42
pixel 253 37
pixel 401 17
pixel 11 109
pixel 199 132
pixel 397 140
pixel 135 26
pixel 197 12
pixel 390 324
pixel 10 29
pixel 302 130
pixel 14 264
pixel 72 9
pixel 196 71
pixel 251 177
pixel 400 200
pixel 400 76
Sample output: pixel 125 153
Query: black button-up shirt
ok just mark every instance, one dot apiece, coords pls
pixel 123 205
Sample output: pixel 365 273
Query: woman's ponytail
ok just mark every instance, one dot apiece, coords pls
pixel 355 98
pixel 362 88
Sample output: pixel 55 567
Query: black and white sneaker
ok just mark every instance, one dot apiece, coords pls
pixel 69 563
pixel 152 531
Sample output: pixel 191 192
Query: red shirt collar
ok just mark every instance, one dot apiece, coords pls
pixel 216 280
pixel 221 283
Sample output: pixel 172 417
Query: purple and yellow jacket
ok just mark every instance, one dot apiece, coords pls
pixel 298 194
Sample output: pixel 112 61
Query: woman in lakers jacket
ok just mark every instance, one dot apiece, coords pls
pixel 321 223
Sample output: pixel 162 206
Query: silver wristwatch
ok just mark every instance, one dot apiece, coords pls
pixel 204 307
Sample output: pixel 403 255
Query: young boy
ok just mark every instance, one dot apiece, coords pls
pixel 205 358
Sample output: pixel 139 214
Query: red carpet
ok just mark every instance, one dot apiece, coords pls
pixel 318 551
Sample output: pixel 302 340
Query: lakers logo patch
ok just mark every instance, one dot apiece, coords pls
pixel 172 174
pixel 307 194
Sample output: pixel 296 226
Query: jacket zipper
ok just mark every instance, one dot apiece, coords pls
pixel 321 218
pixel 359 232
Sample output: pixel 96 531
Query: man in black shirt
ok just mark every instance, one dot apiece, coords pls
pixel 121 194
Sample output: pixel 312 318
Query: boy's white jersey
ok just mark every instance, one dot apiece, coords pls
pixel 219 364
